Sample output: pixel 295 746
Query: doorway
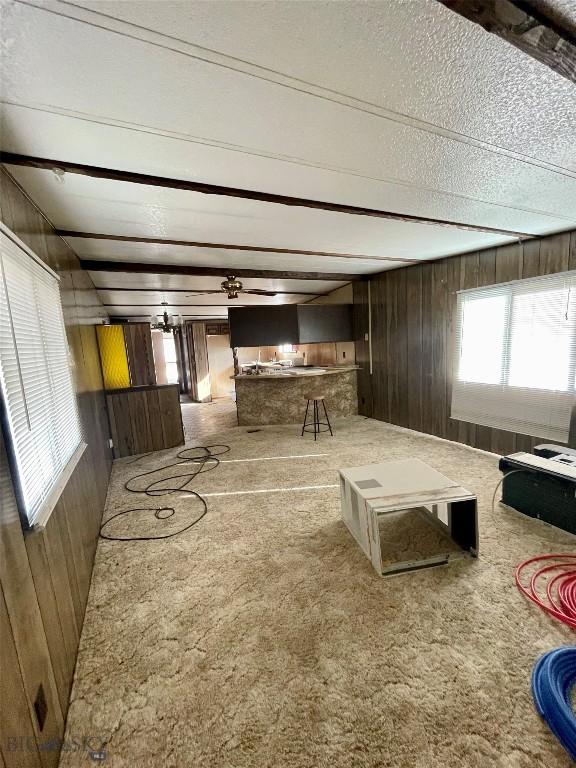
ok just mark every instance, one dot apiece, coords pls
pixel 221 366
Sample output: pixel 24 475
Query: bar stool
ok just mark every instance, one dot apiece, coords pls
pixel 316 424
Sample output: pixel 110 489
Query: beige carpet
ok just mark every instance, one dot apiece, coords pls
pixel 262 637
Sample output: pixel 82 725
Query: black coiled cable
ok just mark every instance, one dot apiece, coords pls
pixel 199 462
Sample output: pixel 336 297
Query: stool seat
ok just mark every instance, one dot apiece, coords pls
pixel 317 425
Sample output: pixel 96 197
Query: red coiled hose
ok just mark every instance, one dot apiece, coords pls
pixel 560 596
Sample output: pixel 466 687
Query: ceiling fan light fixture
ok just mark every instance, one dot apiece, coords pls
pixel 231 286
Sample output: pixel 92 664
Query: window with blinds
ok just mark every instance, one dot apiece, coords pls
pixel 515 365
pixel 39 411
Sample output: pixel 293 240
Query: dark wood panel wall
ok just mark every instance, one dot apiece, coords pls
pixel 138 339
pixel 45 576
pixel 145 419
pixel 413 315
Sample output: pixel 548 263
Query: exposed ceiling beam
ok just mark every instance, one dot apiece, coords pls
pixel 228 246
pixel 191 290
pixel 169 304
pixel 183 269
pixel 11 158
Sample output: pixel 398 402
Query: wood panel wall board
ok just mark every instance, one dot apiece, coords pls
pixel 440 413
pixel 397 357
pixel 555 253
pixel 58 617
pixel 453 285
pixel 428 371
pixel 146 419
pixel 24 617
pixel 469 278
pixel 17 736
pixel 509 260
pixel 140 422
pixel 360 320
pixel 138 338
pixel 414 347
pixel 44 592
pixel 434 353
pixel 170 417
pixel 157 436
pixel 487 269
pixel 380 380
pixel 531 258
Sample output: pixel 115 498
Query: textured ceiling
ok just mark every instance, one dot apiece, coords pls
pixel 402 106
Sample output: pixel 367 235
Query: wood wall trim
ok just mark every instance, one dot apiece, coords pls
pixel 10 158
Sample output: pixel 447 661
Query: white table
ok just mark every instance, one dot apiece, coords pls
pixel 370 492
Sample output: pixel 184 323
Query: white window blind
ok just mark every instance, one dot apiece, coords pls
pixel 40 408
pixel 515 364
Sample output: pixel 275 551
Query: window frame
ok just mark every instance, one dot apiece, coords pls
pixel 60 480
pixel 487 411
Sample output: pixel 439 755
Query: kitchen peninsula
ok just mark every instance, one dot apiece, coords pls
pixel 279 397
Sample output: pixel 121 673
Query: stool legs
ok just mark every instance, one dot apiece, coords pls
pixel 305 417
pixel 316 423
pixel 327 419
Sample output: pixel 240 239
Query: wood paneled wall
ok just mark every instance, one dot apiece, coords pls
pixel 45 576
pixel 138 340
pixel 413 317
pixel 145 419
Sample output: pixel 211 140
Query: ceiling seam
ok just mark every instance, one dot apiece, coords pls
pixel 248 151
pixel 322 92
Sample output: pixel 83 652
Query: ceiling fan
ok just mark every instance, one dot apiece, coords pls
pixel 233 287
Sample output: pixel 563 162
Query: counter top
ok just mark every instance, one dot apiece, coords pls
pixel 297 373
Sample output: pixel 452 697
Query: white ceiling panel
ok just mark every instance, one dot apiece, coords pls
pixel 216 257
pixel 401 106
pixel 181 299
pixel 30 131
pixel 145 313
pixel 99 205
pixel 108 280
pixel 139 78
pixel 414 58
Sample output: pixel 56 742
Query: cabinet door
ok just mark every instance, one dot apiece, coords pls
pixel 263 326
pixel 324 322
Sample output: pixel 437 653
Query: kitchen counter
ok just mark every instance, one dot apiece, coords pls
pixel 294 373
pixel 280 398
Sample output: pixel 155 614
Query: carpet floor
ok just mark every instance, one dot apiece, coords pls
pixel 262 638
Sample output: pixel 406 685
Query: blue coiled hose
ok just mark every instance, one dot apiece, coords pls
pixel 553 677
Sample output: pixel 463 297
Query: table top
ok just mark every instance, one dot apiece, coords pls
pixel 406 479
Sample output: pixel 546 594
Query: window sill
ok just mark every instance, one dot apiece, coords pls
pixel 54 496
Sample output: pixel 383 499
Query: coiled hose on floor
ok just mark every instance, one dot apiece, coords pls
pixel 200 458
pixel 559 599
pixel 553 678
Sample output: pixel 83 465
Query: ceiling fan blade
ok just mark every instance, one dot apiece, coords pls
pixel 259 292
pixel 203 293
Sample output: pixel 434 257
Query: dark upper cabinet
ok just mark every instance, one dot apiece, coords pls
pixel 289 324
pixel 324 322
pixel 263 326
